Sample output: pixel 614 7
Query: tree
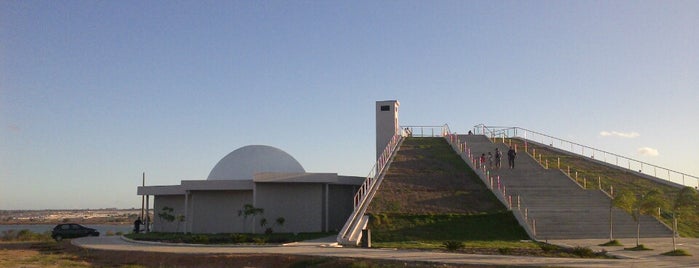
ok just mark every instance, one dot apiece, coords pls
pixel 623 199
pixel 166 215
pixel 686 200
pixel 643 203
pixel 247 211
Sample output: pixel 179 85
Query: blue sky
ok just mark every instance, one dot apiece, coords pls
pixel 93 93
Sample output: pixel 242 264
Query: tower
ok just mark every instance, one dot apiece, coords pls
pixel 386 123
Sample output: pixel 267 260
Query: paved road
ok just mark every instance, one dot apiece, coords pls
pixel 324 248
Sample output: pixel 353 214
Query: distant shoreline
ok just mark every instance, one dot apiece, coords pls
pixel 81 216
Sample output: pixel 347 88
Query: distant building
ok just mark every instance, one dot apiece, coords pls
pixel 264 177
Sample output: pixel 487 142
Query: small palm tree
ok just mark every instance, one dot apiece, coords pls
pixel 641 204
pixel 623 199
pixel 247 211
pixel 686 200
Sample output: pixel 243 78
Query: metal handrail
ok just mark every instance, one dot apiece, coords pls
pixel 497 132
pixel 425 131
pixel 496 186
pixel 361 198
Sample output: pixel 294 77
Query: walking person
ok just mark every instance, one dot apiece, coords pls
pixel 498 156
pixel 482 160
pixel 511 157
pixel 490 160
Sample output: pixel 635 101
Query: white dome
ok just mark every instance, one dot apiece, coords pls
pixel 244 162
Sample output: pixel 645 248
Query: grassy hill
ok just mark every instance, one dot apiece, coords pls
pixel 593 174
pixel 429 195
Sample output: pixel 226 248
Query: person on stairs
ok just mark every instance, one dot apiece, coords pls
pixel 511 157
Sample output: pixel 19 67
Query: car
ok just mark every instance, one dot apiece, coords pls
pixel 72 230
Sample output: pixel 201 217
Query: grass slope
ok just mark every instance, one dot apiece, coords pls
pixel 428 177
pixel 430 196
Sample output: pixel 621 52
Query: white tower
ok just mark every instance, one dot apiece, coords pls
pixel 386 123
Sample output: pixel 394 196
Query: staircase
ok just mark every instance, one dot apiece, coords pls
pixel 351 232
pixel 560 207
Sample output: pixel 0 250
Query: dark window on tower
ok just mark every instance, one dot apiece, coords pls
pixel 385 108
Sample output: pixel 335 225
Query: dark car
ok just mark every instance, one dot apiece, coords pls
pixel 72 230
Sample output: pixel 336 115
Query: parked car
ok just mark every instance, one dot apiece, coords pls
pixel 72 230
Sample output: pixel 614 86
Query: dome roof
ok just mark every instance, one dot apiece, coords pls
pixel 244 162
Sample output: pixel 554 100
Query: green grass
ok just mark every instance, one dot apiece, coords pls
pixel 431 231
pixel 677 252
pixel 613 243
pixel 640 247
pixel 234 238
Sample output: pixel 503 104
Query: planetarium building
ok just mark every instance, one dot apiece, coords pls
pixel 264 177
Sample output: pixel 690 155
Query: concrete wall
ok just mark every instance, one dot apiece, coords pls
pixel 301 205
pixel 217 211
pixel 175 202
pixel 340 205
pixel 386 123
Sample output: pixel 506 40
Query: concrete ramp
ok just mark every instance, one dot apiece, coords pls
pixel 562 208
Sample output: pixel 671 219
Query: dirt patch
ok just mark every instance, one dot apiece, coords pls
pixel 51 254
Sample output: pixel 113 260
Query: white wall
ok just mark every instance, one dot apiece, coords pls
pixel 217 211
pixel 175 202
pixel 301 205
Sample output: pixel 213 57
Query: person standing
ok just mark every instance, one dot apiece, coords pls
pixel 498 156
pixel 137 225
pixel 511 157
pixel 482 160
pixel 490 160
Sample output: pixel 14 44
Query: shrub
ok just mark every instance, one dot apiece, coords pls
pixel 452 245
pixel 584 252
pixel 504 251
pixel 548 247
pixel 615 243
pixel 677 252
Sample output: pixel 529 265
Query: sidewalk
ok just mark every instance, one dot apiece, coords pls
pixel 324 249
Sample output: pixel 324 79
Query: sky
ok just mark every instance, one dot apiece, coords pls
pixel 94 93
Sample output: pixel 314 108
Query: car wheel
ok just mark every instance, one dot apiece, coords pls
pixel 58 237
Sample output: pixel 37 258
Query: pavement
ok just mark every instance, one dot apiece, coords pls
pixel 327 248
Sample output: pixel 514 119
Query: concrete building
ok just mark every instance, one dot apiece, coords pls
pixel 264 177
pixel 386 123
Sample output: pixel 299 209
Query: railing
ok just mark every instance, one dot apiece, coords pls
pixel 495 184
pixel 425 131
pixel 365 193
pixel 497 132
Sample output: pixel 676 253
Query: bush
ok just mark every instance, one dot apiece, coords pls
pixel 504 251
pixel 452 245
pixel 24 235
pixel 677 252
pixel 548 247
pixel 584 252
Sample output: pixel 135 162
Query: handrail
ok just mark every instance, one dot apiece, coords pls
pixel 425 131
pixel 497 132
pixel 363 196
pixel 495 185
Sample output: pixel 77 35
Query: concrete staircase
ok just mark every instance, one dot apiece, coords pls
pixel 562 208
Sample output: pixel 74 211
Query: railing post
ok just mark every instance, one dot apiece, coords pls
pixel 509 200
pixel 526 214
pixel 534 226
pixel 584 182
pixel 547 164
pixel 518 203
pixel 599 182
pixel 559 162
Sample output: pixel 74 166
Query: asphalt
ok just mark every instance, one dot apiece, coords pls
pixel 327 248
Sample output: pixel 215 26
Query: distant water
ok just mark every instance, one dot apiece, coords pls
pixel 41 228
